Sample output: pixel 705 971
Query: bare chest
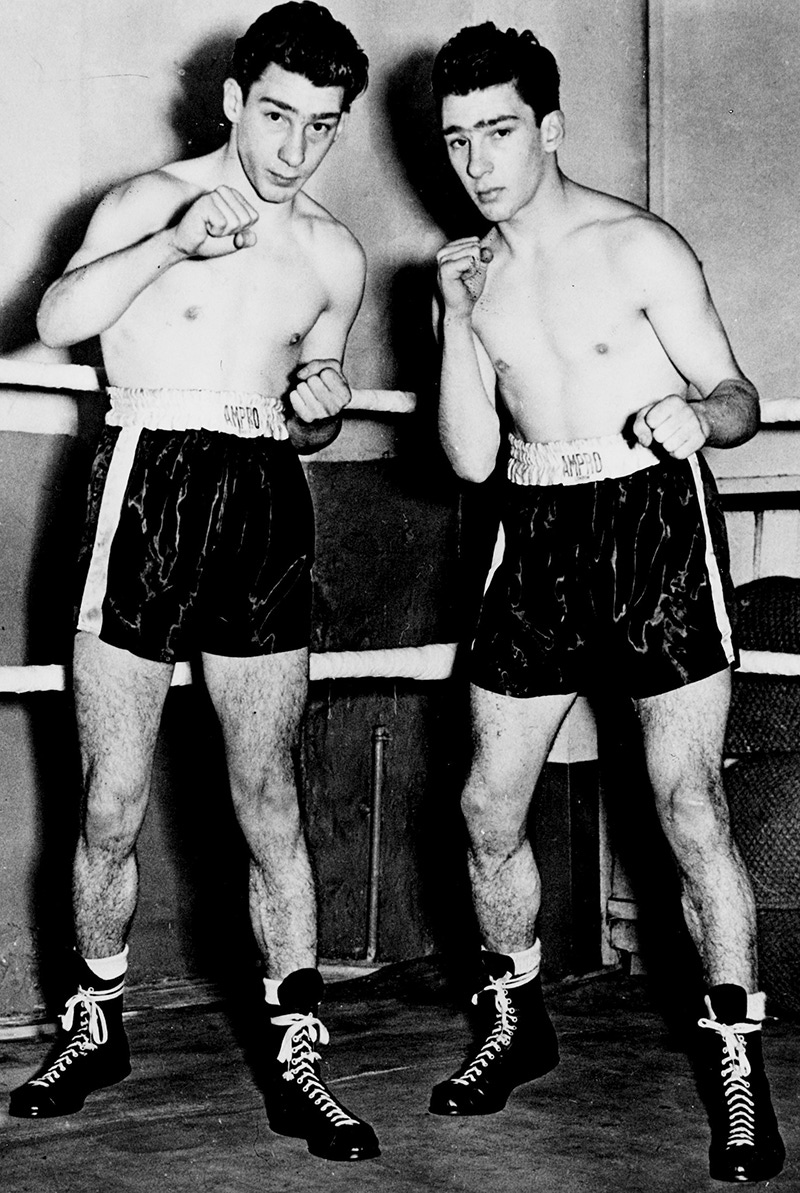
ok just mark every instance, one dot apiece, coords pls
pixel 276 300
pixel 559 316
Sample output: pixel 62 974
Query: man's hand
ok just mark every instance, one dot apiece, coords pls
pixel 321 391
pixel 674 424
pixel 216 224
pixel 463 265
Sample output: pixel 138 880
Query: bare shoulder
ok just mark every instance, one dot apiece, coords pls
pixel 646 242
pixel 337 254
pixel 136 208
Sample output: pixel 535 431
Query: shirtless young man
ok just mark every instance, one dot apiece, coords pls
pixel 590 317
pixel 223 295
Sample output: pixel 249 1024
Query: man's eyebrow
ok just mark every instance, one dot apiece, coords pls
pixel 490 123
pixel 284 107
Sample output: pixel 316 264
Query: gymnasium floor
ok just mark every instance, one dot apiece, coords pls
pixel 620 1113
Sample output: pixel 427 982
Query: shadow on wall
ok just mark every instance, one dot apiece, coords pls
pixel 197 116
pixel 413 122
pixel 59 243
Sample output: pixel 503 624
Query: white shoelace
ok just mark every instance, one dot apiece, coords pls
pixel 736 1087
pixel 297 1053
pixel 92 1032
pixel 503 1029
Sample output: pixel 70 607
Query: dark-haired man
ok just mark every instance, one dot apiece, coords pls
pixel 223 295
pixel 590 318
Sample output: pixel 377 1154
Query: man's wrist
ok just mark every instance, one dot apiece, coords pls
pixel 457 320
pixel 326 421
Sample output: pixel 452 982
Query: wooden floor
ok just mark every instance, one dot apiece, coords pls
pixel 620 1113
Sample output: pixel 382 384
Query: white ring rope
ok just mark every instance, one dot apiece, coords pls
pixel 36 414
pixel 406 662
pixel 409 662
pixel 46 375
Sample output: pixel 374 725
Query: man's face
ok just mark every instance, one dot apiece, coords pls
pixel 495 147
pixel 283 130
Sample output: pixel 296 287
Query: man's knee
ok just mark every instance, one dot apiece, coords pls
pixel 112 818
pixel 694 811
pixel 266 796
pixel 494 824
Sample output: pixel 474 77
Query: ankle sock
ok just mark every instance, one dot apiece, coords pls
pixel 526 962
pixel 109 968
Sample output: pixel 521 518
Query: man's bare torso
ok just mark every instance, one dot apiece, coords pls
pixel 564 325
pixel 236 322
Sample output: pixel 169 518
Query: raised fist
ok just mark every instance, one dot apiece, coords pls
pixel 218 223
pixel 463 265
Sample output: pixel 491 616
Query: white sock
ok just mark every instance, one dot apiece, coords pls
pixel 271 991
pixel 756 1007
pixel 109 968
pixel 526 962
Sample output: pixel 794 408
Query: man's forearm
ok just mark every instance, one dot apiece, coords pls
pixel 468 423
pixel 730 413
pixel 90 299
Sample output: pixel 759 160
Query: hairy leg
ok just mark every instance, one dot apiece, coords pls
pixel 684 734
pixel 118 704
pixel 512 739
pixel 260 702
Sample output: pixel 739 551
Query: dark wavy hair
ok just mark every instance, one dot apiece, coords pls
pixel 482 56
pixel 304 38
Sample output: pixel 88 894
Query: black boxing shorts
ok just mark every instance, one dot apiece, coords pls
pixel 200 530
pixel 611 567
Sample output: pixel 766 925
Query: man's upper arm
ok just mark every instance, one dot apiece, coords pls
pixel 128 213
pixel 346 272
pixel 680 310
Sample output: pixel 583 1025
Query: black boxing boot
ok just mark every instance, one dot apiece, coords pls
pixel 519 1042
pixel 92 1051
pixel 745 1141
pixel 298 1102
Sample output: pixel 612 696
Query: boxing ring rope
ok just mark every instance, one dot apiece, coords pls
pixel 424 663
pixel 405 662
pixel 52 413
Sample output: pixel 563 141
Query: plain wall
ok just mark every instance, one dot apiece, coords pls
pixel 725 165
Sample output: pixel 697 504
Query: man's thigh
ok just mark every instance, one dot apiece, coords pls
pixel 684 732
pixel 118 704
pixel 260 703
pixel 513 736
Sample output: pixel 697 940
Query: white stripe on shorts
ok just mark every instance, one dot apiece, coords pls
pixel 497 559
pixel 717 593
pixel 90 616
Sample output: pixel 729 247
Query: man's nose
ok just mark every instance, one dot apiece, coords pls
pixel 478 163
pixel 293 150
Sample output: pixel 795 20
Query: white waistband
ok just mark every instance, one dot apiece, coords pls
pixel 576 461
pixel 246 415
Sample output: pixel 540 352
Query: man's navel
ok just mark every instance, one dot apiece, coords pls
pixel 601 349
pixel 191 313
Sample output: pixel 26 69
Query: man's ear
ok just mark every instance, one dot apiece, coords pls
pixel 232 100
pixel 552 131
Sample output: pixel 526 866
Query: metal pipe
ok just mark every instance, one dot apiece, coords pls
pixel 380 735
